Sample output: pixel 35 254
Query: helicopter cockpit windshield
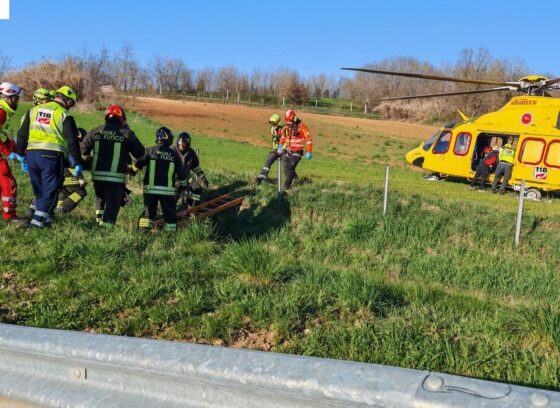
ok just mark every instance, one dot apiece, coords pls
pixel 431 140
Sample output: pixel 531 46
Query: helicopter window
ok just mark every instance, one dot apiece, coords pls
pixel 431 141
pixel 462 144
pixel 531 151
pixel 442 145
pixel 553 154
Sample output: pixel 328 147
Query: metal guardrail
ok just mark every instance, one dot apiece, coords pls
pixel 53 368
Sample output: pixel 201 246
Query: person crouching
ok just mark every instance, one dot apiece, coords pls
pixel 162 167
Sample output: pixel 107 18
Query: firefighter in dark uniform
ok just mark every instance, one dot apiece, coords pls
pixel 112 143
pixel 73 189
pixel 193 194
pixel 276 126
pixel 163 166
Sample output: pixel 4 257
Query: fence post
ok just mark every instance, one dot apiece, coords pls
pixel 386 192
pixel 350 106
pixel 365 109
pixel 227 94
pixel 283 101
pixel 237 97
pixel 315 102
pixel 519 213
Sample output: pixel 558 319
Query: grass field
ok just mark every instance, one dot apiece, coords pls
pixel 435 285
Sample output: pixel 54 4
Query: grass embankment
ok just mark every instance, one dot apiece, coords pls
pixel 435 285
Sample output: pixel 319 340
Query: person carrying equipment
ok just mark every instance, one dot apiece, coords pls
pixel 193 194
pixel 295 138
pixel 163 166
pixel 276 126
pixel 112 144
pixel 505 167
pixel 9 98
pixel 483 168
pixel 48 134
pixel 73 189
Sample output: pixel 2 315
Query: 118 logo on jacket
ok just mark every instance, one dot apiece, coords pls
pixel 43 117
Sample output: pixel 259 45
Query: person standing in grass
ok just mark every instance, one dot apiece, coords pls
pixel 46 137
pixel 276 126
pixel 483 169
pixel 295 139
pixel 9 98
pixel 163 167
pixel 193 194
pixel 505 168
pixel 112 144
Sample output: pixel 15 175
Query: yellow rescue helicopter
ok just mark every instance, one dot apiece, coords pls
pixel 530 123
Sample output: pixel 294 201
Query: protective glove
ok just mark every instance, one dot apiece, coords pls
pixel 280 149
pixel 24 166
pixel 308 155
pixel 71 161
pixel 20 159
pixel 77 170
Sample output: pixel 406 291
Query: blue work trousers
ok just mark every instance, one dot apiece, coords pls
pixel 46 171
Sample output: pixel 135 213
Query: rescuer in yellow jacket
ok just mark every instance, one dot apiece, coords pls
pixel 47 136
pixel 505 167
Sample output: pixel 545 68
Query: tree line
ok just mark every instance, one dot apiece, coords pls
pixel 88 71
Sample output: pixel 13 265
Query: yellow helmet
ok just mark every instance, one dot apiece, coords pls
pixel 42 94
pixel 274 119
pixel 67 92
pixel 507 146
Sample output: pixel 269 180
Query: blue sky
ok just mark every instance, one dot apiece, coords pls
pixel 311 37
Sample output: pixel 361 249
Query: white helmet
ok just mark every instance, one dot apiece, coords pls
pixel 9 89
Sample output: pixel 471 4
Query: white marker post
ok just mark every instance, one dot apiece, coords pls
pixel 386 193
pixel 519 213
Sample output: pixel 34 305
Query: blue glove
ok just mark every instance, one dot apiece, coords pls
pixel 71 161
pixel 12 156
pixel 20 159
pixel 308 156
pixel 25 167
pixel 280 149
pixel 78 170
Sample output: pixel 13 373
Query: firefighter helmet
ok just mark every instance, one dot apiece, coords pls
pixel 507 146
pixel 184 138
pixel 41 95
pixel 290 115
pixel 8 89
pixel 164 136
pixel 67 93
pixel 274 119
pixel 487 149
pixel 115 113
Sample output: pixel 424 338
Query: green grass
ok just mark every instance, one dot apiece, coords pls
pixel 435 285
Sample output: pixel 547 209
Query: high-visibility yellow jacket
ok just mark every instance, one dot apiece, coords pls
pixel 506 155
pixel 46 128
pixel 5 118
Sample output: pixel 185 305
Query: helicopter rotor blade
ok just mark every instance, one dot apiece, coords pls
pixel 434 77
pixel 501 88
pixel 552 81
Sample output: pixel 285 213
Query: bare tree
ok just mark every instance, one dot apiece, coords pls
pixel 5 64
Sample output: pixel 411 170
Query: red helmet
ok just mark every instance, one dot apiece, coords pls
pixel 290 115
pixel 487 149
pixel 115 112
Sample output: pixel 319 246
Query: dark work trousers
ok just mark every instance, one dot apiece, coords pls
pixel 46 169
pixel 272 157
pixel 503 169
pixel 167 207
pixel 108 199
pixel 482 171
pixel 290 163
